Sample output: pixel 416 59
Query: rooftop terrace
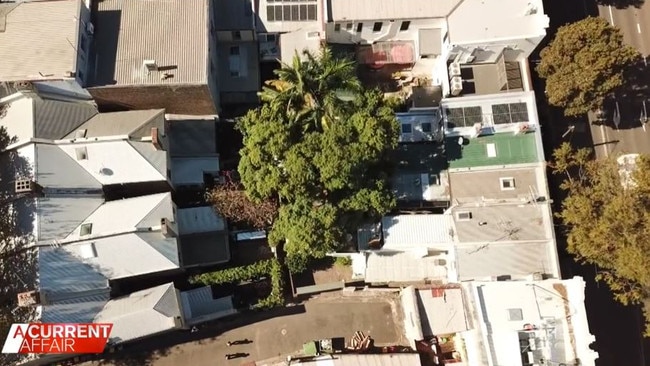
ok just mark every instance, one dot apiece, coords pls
pixel 496 149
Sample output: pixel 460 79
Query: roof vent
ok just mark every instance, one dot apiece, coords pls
pixel 166 228
pixel 79 134
pixel 82 153
pixel 150 65
pixel 155 139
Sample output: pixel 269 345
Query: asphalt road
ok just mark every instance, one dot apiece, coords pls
pixel 627 133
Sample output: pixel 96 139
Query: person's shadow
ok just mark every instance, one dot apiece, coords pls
pixel 231 356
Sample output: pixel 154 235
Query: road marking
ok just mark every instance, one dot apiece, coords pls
pixel 638 27
pixel 604 136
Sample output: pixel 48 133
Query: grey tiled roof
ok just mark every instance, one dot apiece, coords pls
pixel 173 33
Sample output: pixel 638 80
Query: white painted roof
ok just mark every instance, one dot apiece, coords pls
pixel 474 21
pixel 143 313
pixel 189 171
pixel 127 255
pixel 114 162
pixel 417 231
pixel 198 220
pixel 126 215
pixel 550 305
pixel 409 266
pixel 389 9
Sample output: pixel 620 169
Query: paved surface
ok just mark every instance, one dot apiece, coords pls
pixel 627 134
pixel 329 315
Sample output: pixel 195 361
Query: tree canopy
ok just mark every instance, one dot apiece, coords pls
pixel 319 145
pixel 583 64
pixel 607 214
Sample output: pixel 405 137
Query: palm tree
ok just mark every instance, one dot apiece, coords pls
pixel 315 90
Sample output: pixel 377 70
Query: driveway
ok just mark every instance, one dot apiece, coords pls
pixel 328 315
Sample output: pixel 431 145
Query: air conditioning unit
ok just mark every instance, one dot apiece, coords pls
pixel 25 186
pixel 454 69
pixel 90 28
pixel 456 86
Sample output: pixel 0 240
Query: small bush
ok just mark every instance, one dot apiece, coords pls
pixel 297 263
pixel 251 272
pixel 276 298
pixel 343 261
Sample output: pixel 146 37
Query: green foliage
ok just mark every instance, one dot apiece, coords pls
pixel 608 221
pixel 583 64
pixel 297 262
pixel 276 298
pixel 251 272
pixel 267 268
pixel 319 144
pixel 343 261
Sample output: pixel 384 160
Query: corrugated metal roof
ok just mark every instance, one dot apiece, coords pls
pixel 142 313
pixel 389 9
pixel 475 262
pixel 157 158
pixel 189 171
pixel 503 223
pixel 195 137
pixel 57 217
pixel 410 266
pixel 54 119
pixel 81 310
pixel 173 33
pixel 167 247
pixel 198 220
pixel 62 272
pixel 57 170
pixel 142 258
pixel 40 37
pixel 120 123
pixel 200 302
pixel 417 231
pixel 125 215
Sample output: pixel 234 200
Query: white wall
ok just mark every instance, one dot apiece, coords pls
pixel 390 31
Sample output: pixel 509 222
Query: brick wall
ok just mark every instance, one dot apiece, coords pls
pixel 177 99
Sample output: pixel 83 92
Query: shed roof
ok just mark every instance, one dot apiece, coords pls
pixel 173 33
pixel 49 49
pixel 192 136
pixel 494 223
pixel 442 311
pixel 406 266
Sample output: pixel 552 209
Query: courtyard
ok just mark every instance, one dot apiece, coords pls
pixel 378 314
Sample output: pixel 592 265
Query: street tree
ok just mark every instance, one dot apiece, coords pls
pixel 583 64
pixel 319 144
pixel 608 219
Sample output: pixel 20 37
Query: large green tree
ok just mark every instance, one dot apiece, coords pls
pixel 607 214
pixel 319 145
pixel 583 64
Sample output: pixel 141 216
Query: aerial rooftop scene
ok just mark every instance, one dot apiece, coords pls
pixel 325 182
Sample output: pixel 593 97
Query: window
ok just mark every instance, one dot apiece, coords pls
pixel 515 315
pixel 288 12
pixel 348 27
pixel 507 184
pixel 426 127
pixel 405 26
pixel 359 27
pixel 463 216
pixel 407 128
pixel 337 27
pixel 86 229
pixel 234 50
pixel 377 26
pixel 236 35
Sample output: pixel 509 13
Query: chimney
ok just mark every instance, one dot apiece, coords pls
pixel 167 229
pixel 29 298
pixel 155 139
